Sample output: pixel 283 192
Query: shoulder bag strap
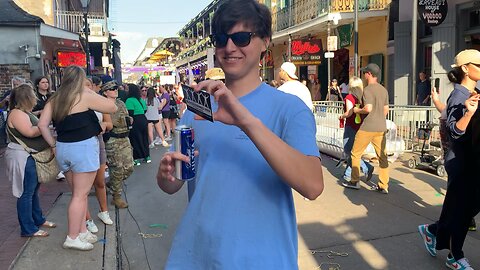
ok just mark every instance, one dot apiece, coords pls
pixel 28 149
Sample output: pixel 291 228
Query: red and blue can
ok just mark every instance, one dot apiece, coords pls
pixel 184 142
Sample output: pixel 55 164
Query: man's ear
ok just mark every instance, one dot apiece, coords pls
pixel 266 43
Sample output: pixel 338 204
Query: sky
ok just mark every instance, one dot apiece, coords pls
pixel 134 21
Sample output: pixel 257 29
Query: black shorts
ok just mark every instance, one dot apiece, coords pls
pixel 173 115
pixel 166 114
pixel 153 121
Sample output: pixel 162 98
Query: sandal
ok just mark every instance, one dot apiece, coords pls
pixel 49 224
pixel 40 233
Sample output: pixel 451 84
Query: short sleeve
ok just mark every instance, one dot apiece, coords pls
pixel 368 97
pixel 300 131
pixel 130 104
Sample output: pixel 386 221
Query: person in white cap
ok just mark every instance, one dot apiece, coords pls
pixel 292 86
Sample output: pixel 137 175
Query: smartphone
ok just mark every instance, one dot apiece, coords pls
pixel 437 84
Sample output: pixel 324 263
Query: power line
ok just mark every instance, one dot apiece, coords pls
pixel 137 22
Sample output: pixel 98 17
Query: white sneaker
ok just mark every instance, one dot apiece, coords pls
pixel 168 138
pixel 105 217
pixel 60 176
pixel 157 141
pixel 152 145
pixel 165 144
pixel 77 244
pixel 88 237
pixel 91 226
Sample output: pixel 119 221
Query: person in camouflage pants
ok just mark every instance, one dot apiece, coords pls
pixel 117 145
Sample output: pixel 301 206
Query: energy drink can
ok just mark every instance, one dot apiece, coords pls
pixel 184 143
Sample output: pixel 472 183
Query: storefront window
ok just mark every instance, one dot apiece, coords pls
pixel 474 18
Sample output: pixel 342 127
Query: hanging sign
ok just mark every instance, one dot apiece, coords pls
pixel 432 12
pixel 307 52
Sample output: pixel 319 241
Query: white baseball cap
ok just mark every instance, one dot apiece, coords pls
pixel 290 69
pixel 465 57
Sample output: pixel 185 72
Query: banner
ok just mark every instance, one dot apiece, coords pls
pixel 345 33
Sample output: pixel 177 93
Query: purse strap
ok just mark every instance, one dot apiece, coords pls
pixel 28 149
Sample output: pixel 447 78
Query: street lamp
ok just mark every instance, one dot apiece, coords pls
pixel 86 31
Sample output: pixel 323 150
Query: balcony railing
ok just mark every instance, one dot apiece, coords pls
pixel 305 10
pixel 73 22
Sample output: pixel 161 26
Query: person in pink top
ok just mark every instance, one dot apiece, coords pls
pixel 352 124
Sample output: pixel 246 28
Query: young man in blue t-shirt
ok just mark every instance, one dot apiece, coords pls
pixel 261 145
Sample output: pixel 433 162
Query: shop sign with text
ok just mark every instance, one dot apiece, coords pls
pixel 432 12
pixel 307 52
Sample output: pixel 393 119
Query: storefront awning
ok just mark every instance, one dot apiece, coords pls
pixel 54 32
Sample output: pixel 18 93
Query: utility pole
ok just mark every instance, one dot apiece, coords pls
pixel 329 75
pixel 355 40
pixel 414 51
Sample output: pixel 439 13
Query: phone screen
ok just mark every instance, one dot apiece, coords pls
pixel 437 84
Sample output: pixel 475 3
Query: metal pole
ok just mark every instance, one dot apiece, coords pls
pixel 329 75
pixel 414 51
pixel 289 48
pixel 87 46
pixel 355 40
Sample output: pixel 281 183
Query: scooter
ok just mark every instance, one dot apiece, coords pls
pixel 427 159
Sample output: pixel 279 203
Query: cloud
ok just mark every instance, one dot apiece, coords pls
pixel 132 44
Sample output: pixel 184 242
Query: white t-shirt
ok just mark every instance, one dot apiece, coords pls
pixel 344 88
pixel 298 89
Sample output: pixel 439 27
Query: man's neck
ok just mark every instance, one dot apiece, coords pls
pixel 244 86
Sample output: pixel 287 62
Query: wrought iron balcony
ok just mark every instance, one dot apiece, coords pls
pixel 73 21
pixel 305 10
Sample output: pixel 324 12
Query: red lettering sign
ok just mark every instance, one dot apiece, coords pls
pixel 311 47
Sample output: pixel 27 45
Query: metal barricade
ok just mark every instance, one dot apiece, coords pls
pixel 403 123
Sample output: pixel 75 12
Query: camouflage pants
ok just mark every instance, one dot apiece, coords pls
pixel 120 162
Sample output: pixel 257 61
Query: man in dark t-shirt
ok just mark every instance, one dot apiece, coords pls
pixel 423 90
pixel 372 130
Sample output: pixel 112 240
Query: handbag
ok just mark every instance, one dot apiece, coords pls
pixel 45 163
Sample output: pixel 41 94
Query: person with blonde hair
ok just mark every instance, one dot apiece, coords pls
pixel 72 109
pixel 21 171
pixel 352 124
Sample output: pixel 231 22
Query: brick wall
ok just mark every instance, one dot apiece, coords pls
pixel 8 71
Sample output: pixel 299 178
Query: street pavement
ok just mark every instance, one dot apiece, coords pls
pixel 342 229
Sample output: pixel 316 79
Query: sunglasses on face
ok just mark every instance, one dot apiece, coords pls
pixel 112 89
pixel 477 65
pixel 240 39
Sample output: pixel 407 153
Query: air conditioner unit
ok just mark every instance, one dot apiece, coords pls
pixel 96 29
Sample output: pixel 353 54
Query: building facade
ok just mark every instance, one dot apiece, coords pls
pixel 301 31
pixel 436 45
pixel 27 39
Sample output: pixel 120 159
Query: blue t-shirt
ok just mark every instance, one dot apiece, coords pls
pixel 241 215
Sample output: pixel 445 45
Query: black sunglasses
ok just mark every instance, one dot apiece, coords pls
pixel 240 39
pixel 112 89
pixel 477 65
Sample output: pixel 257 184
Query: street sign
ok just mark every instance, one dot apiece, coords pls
pixel 332 42
pixel 329 55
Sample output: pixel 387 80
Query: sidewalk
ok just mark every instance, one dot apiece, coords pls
pixel 10 241
pixel 342 229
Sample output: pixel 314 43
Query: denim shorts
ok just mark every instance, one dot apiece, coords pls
pixel 80 157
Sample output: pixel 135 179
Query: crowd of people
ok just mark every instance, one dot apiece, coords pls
pixel 88 128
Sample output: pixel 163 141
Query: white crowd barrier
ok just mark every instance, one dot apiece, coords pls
pixel 402 127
